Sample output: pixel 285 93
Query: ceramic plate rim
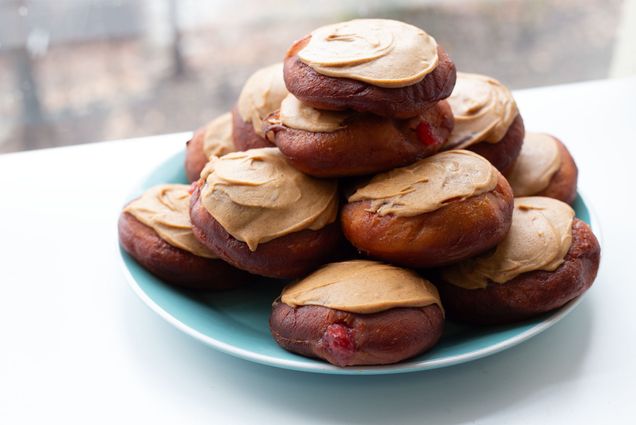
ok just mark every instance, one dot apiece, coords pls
pixel 326 368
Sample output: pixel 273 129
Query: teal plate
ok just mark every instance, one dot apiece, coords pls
pixel 236 322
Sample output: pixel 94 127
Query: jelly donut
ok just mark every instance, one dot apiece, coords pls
pixel 487 120
pixel 348 143
pixel 215 139
pixel 548 258
pixel 155 230
pixel 544 168
pixel 260 96
pixel 258 213
pixel 358 313
pixel 381 66
pixel 439 210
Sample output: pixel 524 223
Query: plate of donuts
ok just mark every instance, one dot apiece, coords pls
pixel 236 322
pixel 364 208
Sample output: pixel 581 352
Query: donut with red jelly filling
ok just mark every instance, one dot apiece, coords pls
pixel 336 314
pixel 338 144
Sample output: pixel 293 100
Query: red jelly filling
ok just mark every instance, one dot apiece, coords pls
pixel 339 341
pixel 425 134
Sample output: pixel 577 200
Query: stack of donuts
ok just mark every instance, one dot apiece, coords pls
pixel 391 193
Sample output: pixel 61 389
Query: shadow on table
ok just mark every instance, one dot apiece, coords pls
pixel 444 396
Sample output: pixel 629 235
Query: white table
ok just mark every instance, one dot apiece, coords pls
pixel 77 346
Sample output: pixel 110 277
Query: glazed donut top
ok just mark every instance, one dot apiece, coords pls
pixel 217 140
pixel 361 286
pixel 166 209
pixel 538 162
pixel 428 184
pixel 296 114
pixel 380 52
pixel 257 196
pixel 483 108
pixel 261 96
pixel 539 239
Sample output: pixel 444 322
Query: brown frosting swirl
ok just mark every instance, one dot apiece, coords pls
pixel 361 286
pixel 166 209
pixel 261 96
pixel 539 239
pixel 380 52
pixel 538 161
pixel 428 184
pixel 296 114
pixel 257 196
pixel 217 140
pixel 483 108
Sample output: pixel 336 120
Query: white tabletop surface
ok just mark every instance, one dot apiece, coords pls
pixel 77 346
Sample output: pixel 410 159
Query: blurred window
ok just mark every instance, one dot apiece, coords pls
pixel 75 71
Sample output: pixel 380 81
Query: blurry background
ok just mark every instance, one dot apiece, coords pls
pixel 77 71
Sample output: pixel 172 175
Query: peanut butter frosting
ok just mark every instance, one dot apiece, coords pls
pixel 539 239
pixel 257 196
pixel 261 96
pixel 380 52
pixel 428 184
pixel 361 286
pixel 166 209
pixel 483 108
pixel 298 115
pixel 217 140
pixel 538 162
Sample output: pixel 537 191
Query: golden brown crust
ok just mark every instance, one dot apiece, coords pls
pixel 174 265
pixel 195 158
pixel 324 92
pixel 503 154
pixel 562 186
pixel 454 232
pixel 244 136
pixel 290 256
pixel 368 144
pixel 350 339
pixel 531 293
